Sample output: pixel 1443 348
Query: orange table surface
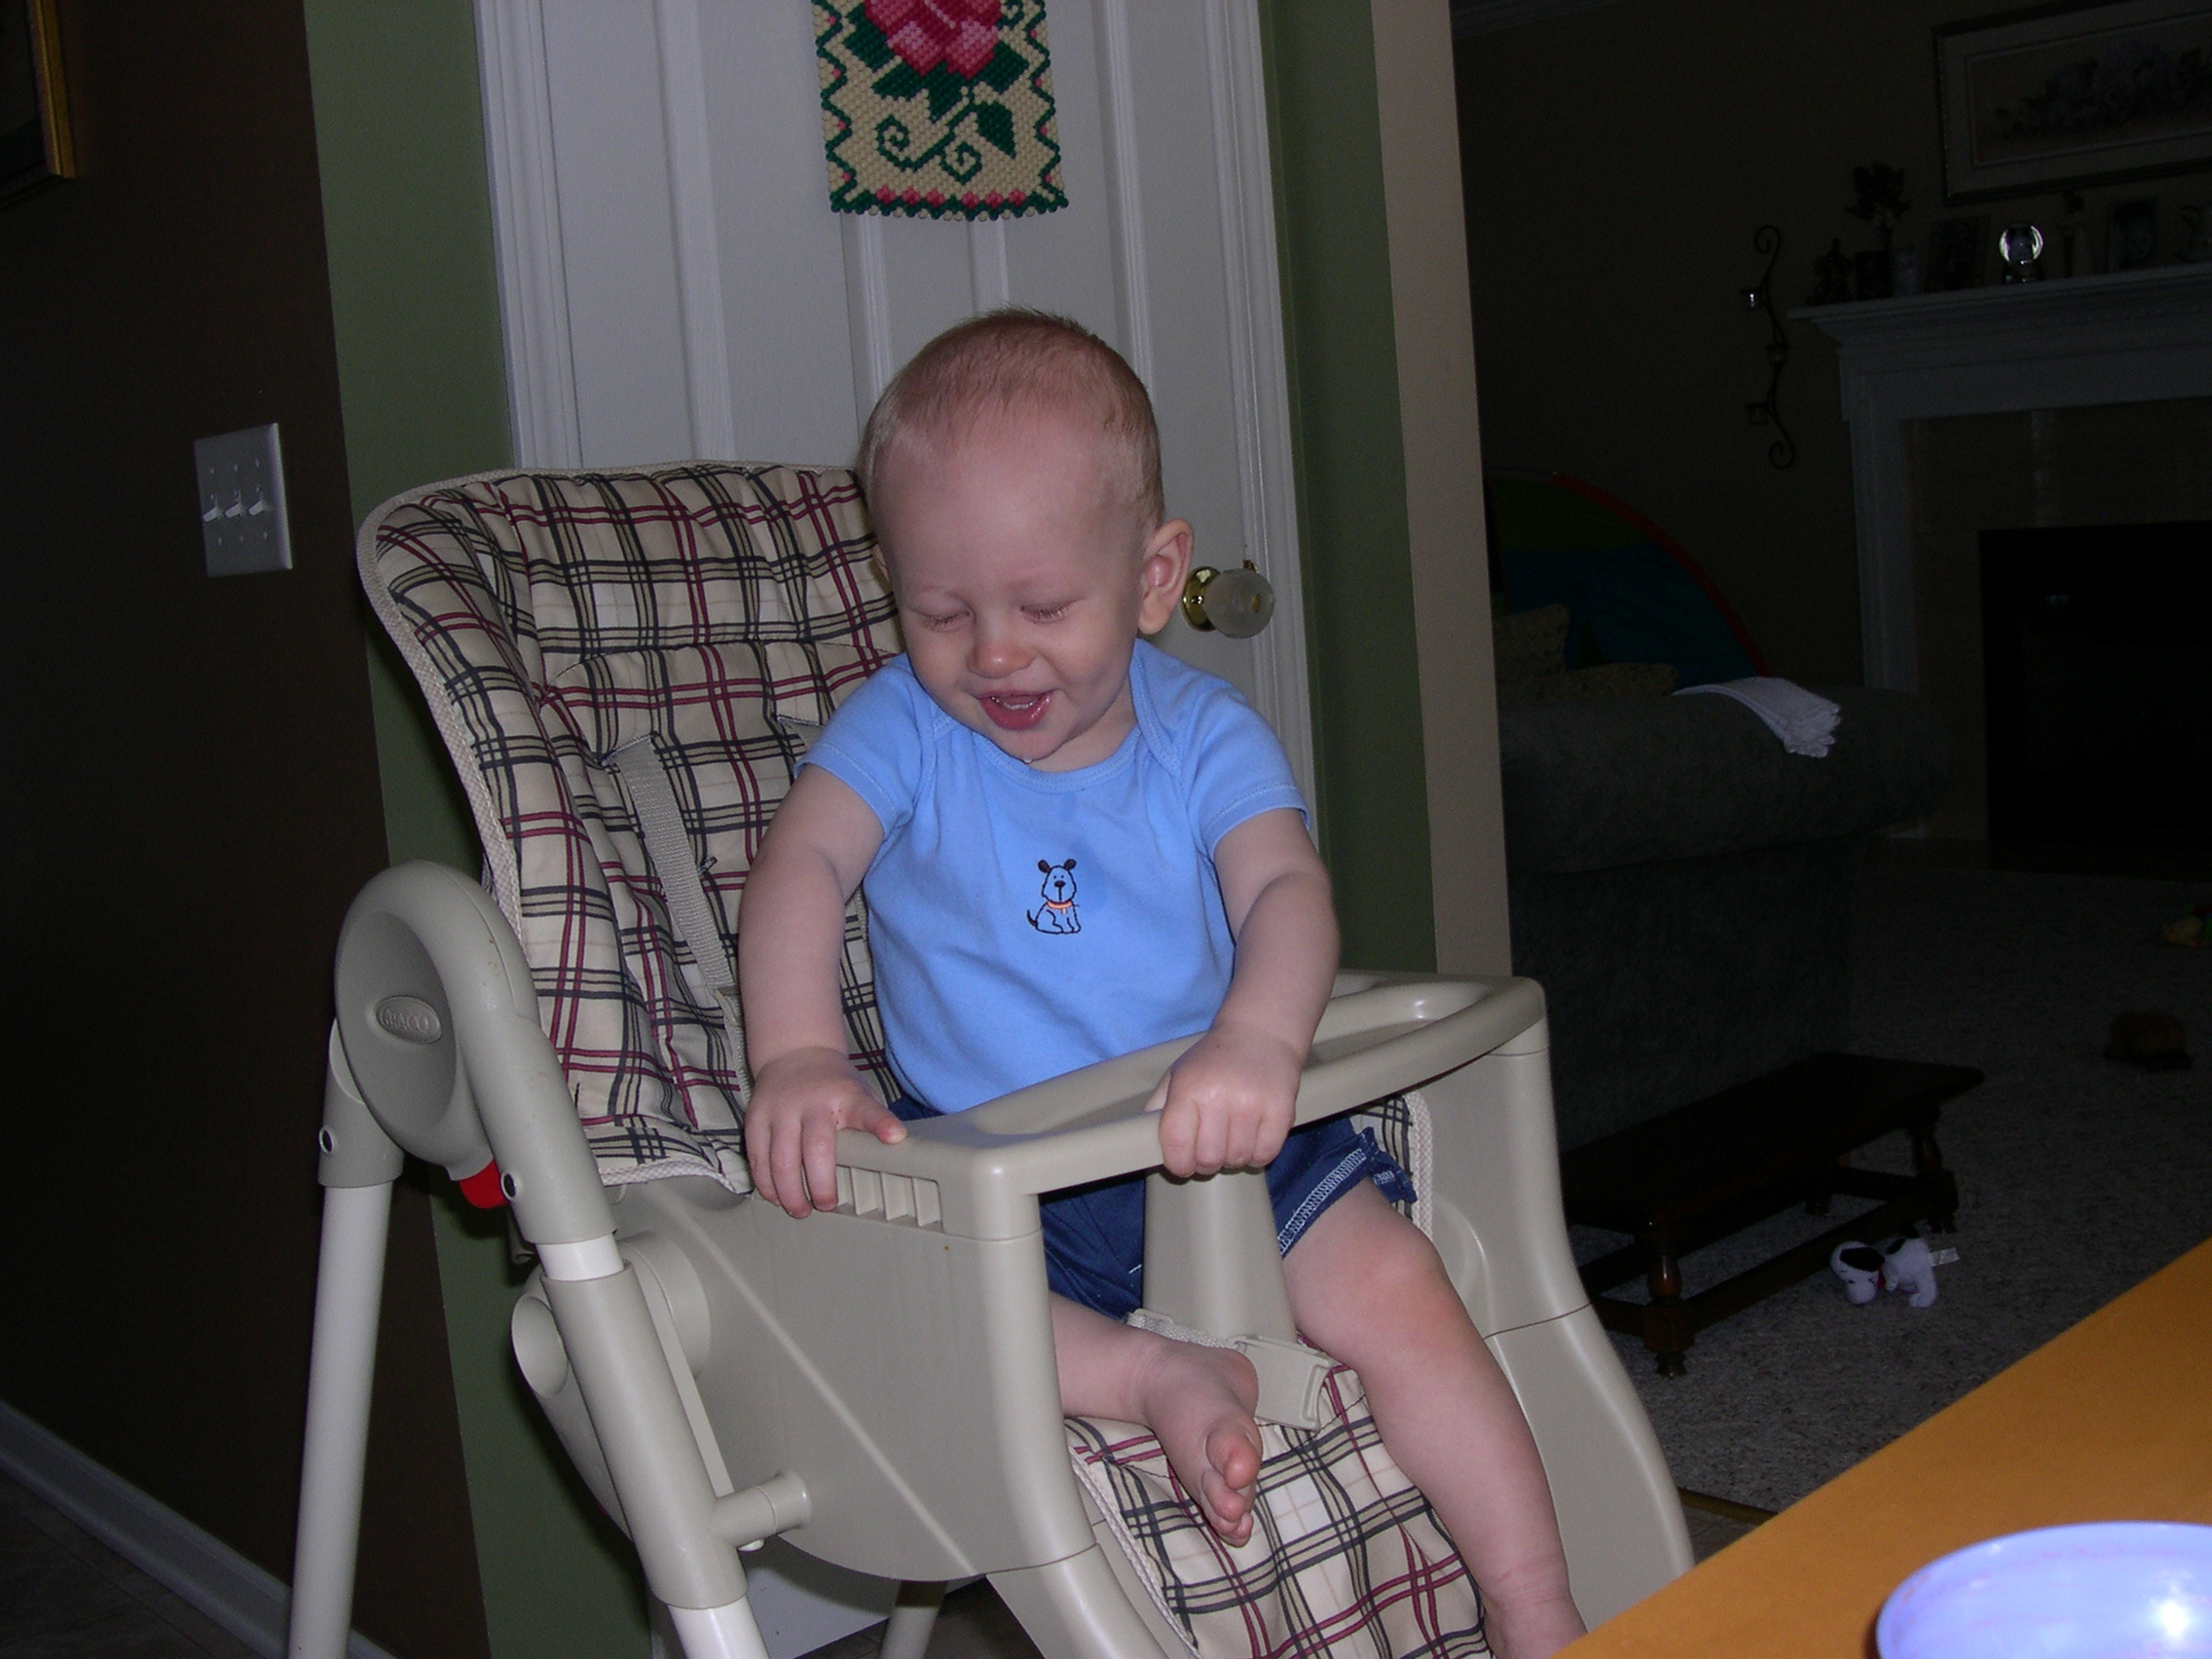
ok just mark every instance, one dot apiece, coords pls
pixel 2110 1421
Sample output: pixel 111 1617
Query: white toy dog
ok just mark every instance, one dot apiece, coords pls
pixel 1908 1266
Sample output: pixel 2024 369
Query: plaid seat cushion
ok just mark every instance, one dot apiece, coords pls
pixel 1346 1556
pixel 552 618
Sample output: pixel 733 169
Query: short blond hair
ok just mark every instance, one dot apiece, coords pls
pixel 1003 361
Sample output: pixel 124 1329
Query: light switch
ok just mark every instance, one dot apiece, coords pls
pixel 242 503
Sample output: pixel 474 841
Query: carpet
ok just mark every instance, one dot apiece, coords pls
pixel 2078 1177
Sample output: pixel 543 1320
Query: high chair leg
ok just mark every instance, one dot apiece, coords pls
pixel 348 1288
pixel 719 1632
pixel 912 1618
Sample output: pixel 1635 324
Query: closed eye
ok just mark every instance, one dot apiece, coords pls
pixel 941 621
pixel 1049 612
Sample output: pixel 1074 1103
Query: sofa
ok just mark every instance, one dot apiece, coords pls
pixel 1681 886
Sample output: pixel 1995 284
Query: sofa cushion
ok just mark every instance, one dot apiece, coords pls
pixel 1598 680
pixel 1530 643
pixel 1596 785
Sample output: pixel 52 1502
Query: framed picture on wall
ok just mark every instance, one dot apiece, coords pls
pixel 2073 95
pixel 34 112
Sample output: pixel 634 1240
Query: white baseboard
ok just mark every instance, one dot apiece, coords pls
pixel 190 1561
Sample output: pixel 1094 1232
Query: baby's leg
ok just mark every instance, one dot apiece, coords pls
pixel 1198 1400
pixel 1369 1289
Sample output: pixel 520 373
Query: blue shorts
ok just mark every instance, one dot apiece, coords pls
pixel 1095 1234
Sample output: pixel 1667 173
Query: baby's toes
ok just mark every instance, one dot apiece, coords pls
pixel 1235 1454
pixel 1228 1510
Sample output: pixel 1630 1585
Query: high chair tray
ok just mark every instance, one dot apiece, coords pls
pixel 1387 1034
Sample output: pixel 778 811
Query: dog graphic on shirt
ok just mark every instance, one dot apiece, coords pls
pixel 1056 915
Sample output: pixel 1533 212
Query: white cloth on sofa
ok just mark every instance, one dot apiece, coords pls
pixel 1805 722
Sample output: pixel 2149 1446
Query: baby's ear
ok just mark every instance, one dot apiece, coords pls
pixel 1161 574
pixel 1045 866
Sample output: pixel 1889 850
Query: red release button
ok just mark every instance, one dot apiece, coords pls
pixel 482 1189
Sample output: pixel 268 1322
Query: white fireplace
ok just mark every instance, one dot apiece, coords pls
pixel 2136 336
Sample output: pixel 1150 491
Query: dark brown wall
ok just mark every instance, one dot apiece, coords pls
pixel 1617 161
pixel 195 803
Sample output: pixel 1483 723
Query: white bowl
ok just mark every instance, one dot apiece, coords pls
pixel 2114 1590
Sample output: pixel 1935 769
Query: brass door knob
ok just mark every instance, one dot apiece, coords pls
pixel 1237 604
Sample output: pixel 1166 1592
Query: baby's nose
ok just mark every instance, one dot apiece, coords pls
pixel 996 655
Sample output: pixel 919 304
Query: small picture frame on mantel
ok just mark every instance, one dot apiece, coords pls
pixel 35 149
pixel 1957 254
pixel 2132 234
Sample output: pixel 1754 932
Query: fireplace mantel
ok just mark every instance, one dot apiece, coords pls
pixel 2130 337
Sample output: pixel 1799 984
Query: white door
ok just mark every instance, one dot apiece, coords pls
pixel 676 285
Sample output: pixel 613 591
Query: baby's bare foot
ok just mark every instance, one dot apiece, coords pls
pixel 1199 1401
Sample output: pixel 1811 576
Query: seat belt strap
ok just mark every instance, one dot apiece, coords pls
pixel 660 825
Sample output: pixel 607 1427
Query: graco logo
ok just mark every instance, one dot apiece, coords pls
pixel 409 1018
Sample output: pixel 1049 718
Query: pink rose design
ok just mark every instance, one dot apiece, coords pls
pixel 963 33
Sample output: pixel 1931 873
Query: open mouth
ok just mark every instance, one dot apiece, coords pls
pixel 1016 711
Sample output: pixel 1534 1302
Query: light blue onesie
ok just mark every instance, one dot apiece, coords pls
pixel 1026 923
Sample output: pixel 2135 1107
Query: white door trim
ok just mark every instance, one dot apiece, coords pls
pixel 526 229
pixel 1434 322
pixel 1258 370
pixel 698 251
pixel 1118 109
pixel 867 311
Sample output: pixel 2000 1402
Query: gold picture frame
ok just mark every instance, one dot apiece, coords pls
pixel 35 148
pixel 2061 97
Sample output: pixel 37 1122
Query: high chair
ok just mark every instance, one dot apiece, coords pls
pixel 626 668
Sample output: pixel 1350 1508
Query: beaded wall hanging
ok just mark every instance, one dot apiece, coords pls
pixel 939 109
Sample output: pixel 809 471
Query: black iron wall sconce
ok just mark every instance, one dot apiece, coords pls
pixel 1767 412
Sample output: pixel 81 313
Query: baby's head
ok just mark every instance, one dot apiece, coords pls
pixel 1014 471
pixel 1016 366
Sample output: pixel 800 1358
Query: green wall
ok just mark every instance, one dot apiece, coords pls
pixel 408 224
pixel 1334 246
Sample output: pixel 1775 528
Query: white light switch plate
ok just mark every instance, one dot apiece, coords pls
pixel 242 503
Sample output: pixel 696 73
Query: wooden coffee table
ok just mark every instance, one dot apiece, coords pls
pixel 1698 1173
pixel 2110 1421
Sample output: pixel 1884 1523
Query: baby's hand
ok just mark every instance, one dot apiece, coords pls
pixel 1229 1101
pixel 801 1100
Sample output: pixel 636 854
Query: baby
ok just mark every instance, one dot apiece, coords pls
pixel 1074 846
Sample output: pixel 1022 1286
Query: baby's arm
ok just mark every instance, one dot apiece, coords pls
pixel 1229 1101
pixel 790 934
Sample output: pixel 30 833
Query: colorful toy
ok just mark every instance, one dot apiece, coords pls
pixel 2194 929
